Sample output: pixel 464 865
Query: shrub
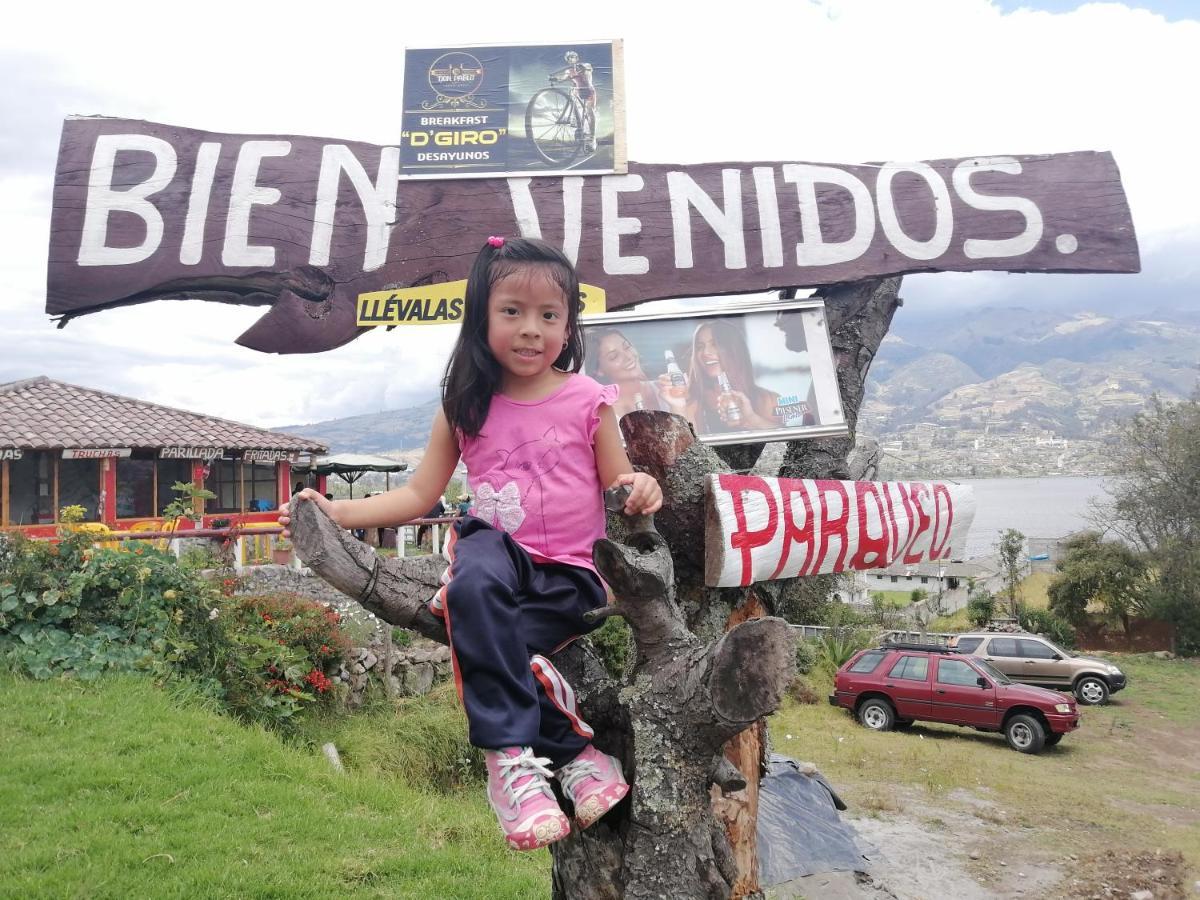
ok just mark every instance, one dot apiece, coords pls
pixel 981 607
pixel 836 647
pixel 69 609
pixel 281 651
pixel 1044 622
pixel 806 656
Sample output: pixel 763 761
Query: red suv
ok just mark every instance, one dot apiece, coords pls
pixel 894 685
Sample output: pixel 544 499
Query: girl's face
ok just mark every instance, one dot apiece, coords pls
pixel 618 360
pixel 527 322
pixel 708 354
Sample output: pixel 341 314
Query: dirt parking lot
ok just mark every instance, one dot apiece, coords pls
pixel 1112 811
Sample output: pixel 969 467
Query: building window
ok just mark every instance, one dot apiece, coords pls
pixel 135 487
pixel 170 471
pixel 261 493
pixel 895 578
pixel 31 488
pixel 79 485
pixel 924 579
pixel 223 481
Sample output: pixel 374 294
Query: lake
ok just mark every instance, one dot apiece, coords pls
pixel 1037 507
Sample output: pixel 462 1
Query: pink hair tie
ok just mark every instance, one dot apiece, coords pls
pixel 496 241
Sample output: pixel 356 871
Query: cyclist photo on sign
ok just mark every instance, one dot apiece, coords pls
pixel 580 75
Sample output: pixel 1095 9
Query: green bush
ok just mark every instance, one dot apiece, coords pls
pixel 835 648
pixel 806 656
pixel 69 609
pixel 1044 622
pixel 281 650
pixel 980 608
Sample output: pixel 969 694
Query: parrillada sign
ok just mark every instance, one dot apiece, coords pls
pixel 205 453
pixel 306 225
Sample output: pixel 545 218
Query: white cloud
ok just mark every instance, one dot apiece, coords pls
pixel 837 81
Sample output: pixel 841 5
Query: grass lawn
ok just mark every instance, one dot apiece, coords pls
pixel 117 789
pixel 1128 779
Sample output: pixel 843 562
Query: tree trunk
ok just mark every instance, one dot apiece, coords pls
pixel 708 663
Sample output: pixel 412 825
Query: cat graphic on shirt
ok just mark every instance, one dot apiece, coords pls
pixel 522 495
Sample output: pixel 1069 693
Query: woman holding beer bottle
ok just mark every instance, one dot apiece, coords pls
pixel 719 393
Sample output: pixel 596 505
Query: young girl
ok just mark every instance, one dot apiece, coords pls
pixel 541 444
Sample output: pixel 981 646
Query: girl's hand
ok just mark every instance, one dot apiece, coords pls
pixel 325 505
pixel 645 496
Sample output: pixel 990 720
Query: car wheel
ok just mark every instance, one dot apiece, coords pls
pixel 1053 738
pixel 1091 691
pixel 1025 734
pixel 877 715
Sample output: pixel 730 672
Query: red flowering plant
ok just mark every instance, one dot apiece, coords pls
pixel 285 648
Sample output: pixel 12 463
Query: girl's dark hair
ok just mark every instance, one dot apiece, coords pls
pixel 473 375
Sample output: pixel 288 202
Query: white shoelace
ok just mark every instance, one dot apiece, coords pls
pixel 524 763
pixel 574 772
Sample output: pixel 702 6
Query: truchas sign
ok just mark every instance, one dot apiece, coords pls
pixel 305 225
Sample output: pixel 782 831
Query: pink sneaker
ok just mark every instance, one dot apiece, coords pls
pixel 594 783
pixel 521 797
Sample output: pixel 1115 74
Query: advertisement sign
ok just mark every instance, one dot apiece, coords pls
pixel 760 529
pixel 144 212
pixel 439 304
pixel 762 372
pixel 96 452
pixel 477 111
pixel 208 454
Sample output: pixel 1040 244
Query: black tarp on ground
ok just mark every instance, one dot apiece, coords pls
pixel 799 830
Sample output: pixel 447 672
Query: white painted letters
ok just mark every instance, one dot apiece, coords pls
pixel 378 202
pixel 245 193
pixel 980 248
pixel 684 194
pixel 814 250
pixel 103 199
pixel 613 225
pixel 889 221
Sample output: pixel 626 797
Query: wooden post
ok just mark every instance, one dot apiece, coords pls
pixel 54 466
pixel 239 548
pixel 4 493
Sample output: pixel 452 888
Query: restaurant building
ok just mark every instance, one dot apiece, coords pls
pixel 64 445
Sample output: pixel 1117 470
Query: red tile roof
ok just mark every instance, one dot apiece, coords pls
pixel 40 414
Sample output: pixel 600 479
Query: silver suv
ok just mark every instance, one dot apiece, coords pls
pixel 1031 659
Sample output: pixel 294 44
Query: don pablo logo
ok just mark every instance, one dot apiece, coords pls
pixel 455 78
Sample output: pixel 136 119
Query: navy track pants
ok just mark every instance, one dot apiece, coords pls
pixel 505 615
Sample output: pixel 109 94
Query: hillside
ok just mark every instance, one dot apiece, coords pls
pixel 987 392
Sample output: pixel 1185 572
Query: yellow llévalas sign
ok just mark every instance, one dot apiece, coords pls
pixel 439 304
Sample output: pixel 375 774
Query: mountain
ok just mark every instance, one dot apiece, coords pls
pixel 393 431
pixel 1043 374
pixel 1006 369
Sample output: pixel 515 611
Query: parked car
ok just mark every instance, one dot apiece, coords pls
pixel 1031 659
pixel 894 685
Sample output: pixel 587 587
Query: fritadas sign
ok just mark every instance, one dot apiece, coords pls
pixel 760 529
pixel 307 225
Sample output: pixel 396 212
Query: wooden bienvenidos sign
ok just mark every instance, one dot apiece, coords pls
pixel 307 225
pixel 760 529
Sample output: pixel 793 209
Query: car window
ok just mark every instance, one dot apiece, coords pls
pixel 868 661
pixel 1003 647
pixel 968 645
pixel 1035 650
pixel 997 676
pixel 955 671
pixel 911 668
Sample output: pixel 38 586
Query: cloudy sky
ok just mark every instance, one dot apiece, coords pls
pixel 839 81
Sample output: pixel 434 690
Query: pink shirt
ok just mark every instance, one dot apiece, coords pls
pixel 532 470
